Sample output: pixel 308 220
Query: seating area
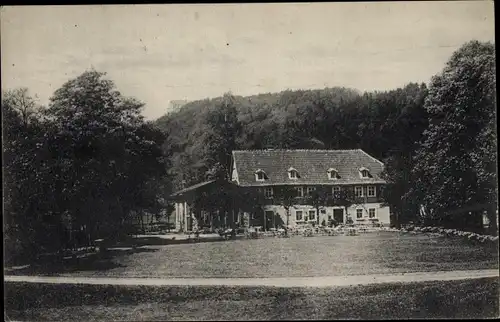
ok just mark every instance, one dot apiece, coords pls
pixel 310 231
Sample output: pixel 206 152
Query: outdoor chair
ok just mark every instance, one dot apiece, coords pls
pixel 252 233
pixel 308 233
pixel 351 231
pixel 329 231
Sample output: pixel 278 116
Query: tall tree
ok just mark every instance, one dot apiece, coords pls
pixel 400 129
pixel 220 139
pixel 286 197
pixel 22 103
pixel 456 163
pixel 105 152
pixel 29 185
pixel 319 198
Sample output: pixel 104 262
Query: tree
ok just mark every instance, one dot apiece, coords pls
pixel 318 198
pixel 286 197
pixel 220 138
pixel 345 198
pixel 22 103
pixel 456 162
pixel 104 152
pixel 28 181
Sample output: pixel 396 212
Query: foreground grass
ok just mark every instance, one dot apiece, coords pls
pixel 374 253
pixel 56 302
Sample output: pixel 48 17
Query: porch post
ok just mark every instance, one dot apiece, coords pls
pixel 184 215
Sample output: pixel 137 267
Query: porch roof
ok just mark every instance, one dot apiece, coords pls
pixel 192 188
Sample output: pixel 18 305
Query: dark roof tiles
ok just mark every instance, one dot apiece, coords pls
pixel 311 165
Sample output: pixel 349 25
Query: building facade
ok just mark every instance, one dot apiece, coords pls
pixel 347 186
pixel 201 206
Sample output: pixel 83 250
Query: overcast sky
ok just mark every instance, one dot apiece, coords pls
pixel 159 53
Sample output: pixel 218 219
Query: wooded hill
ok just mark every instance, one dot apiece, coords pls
pixel 438 141
pixel 386 125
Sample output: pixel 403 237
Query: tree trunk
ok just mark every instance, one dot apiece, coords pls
pixel 492 217
pixel 287 221
pixel 233 224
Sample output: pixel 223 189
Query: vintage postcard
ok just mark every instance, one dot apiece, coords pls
pixel 266 161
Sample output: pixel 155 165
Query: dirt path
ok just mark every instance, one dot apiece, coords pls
pixel 327 281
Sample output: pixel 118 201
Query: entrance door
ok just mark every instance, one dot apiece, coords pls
pixel 338 215
pixel 269 220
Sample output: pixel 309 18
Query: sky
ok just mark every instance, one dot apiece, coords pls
pixel 159 53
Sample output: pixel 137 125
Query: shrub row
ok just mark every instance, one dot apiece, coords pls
pixel 451 233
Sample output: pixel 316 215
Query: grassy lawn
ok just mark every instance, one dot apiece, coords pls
pixel 373 253
pixel 452 299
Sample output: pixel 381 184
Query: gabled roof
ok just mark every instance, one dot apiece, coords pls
pixel 313 166
pixel 203 186
pixel 193 187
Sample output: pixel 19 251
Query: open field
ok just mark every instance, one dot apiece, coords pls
pixel 54 302
pixel 373 253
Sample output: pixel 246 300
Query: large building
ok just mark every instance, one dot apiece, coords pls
pixel 328 171
pixel 333 174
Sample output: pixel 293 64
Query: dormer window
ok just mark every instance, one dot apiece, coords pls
pixel 293 173
pixel 364 172
pixel 260 175
pixel 333 174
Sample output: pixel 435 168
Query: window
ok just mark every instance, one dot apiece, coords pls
pixel 298 215
pixel 371 191
pixel 268 192
pixel 332 174
pixel 335 190
pixel 364 172
pixel 371 212
pixel 293 173
pixel 260 175
pixel 300 192
pixel 310 189
pixel 312 214
pixel 358 191
pixel 359 213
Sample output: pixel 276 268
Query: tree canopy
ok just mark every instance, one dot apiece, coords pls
pixel 87 161
pixel 456 162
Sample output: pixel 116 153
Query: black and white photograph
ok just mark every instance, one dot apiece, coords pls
pixel 250 161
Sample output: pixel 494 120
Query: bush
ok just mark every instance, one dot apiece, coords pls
pixel 448 232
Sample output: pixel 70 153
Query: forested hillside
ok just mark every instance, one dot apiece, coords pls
pixel 385 124
pixel 438 142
